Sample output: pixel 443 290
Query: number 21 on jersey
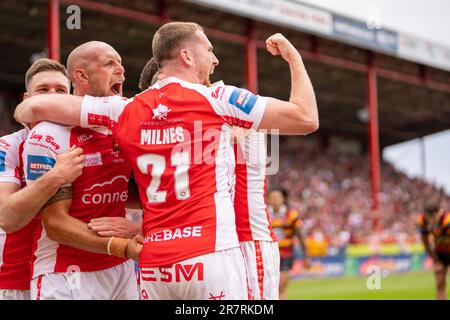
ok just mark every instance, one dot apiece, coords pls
pixel 180 161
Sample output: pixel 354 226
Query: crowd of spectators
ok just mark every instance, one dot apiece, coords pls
pixel 332 192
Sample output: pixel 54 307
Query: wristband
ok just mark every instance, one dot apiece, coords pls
pixel 118 247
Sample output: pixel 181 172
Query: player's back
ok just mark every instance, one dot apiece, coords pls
pixel 181 163
pixel 101 190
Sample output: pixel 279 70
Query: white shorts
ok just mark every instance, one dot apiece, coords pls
pixel 263 264
pixel 8 294
pixel 115 283
pixel 219 275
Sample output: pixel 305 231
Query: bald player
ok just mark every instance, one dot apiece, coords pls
pixel 70 260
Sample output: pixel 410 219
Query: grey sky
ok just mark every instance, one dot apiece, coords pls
pixel 426 19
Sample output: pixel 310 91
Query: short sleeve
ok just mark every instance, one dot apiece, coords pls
pixel 10 158
pixel 42 146
pixel 102 112
pixel 238 106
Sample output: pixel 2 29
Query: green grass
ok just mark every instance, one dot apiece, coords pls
pixel 405 286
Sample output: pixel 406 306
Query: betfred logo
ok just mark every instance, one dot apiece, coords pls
pixel 95 194
pixel 175 273
pixel 38 165
pixel 243 99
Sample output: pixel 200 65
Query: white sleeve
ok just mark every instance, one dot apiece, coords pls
pixel 102 112
pixel 44 143
pixel 9 159
pixel 238 106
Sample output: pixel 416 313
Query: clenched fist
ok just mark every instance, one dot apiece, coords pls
pixel 277 44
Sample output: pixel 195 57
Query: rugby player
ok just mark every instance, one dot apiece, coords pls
pixel 191 249
pixel 19 204
pixel 254 230
pixel 434 226
pixel 286 225
pixel 70 260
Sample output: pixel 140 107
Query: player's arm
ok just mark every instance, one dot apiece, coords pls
pixel 426 239
pixel 59 108
pixel 87 111
pixel 429 247
pixel 19 206
pixel 301 239
pixel 299 115
pixel 67 230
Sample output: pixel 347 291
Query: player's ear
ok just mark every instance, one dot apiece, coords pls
pixel 26 95
pixel 80 75
pixel 186 56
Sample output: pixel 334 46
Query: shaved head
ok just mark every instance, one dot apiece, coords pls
pixel 86 53
pixel 95 68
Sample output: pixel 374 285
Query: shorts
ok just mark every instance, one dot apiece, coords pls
pixel 219 275
pixel 286 263
pixel 444 258
pixel 115 283
pixel 8 294
pixel 263 265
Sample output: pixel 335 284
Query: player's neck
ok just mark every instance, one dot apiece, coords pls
pixel 79 93
pixel 183 74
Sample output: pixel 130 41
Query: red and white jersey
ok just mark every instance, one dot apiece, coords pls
pixel 252 217
pixel 15 247
pixel 101 191
pixel 178 136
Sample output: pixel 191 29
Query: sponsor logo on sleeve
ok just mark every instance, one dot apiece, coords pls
pixel 38 165
pixel 218 92
pixel 242 99
pixel 100 121
pixel 47 141
pixel 2 161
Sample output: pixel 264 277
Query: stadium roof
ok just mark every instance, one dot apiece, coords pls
pixel 414 99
